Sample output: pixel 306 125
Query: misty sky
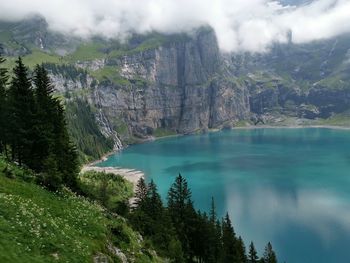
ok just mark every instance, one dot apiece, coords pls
pixel 240 25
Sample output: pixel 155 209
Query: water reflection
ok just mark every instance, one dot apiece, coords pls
pixel 295 222
pixel 287 186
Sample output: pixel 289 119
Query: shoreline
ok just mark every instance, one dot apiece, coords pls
pixel 293 127
pixel 134 176
pixel 131 175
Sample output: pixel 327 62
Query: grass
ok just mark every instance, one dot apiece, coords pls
pixel 110 73
pixel 86 52
pixel 41 226
pixel 33 59
pixel 242 123
pixel 108 188
pixel 161 132
pixel 335 83
pixel 39 57
pixel 336 120
pixel 120 126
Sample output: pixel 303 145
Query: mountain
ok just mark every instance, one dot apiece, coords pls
pixel 156 85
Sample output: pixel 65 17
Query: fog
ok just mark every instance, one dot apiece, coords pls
pixel 240 25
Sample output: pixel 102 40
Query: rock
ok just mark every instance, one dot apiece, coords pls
pixel 100 258
pixel 186 85
pixel 116 251
pixel 181 90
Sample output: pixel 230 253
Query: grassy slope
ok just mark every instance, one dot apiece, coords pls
pixel 41 226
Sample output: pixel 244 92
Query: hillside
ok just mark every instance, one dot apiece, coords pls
pixel 40 226
pixel 119 93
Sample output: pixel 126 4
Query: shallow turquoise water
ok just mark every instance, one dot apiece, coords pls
pixel 287 186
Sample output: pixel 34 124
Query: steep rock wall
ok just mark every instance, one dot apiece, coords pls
pixel 178 87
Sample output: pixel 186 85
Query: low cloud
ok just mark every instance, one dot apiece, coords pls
pixel 240 25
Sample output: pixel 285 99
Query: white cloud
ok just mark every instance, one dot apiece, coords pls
pixel 240 25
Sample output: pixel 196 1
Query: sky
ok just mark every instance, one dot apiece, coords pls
pixel 240 25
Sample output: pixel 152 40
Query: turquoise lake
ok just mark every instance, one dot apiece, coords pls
pixel 287 186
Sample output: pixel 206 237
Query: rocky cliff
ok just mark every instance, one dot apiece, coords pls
pixel 179 87
pixel 166 84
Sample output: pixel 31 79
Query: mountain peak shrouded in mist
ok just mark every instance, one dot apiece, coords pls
pixel 239 25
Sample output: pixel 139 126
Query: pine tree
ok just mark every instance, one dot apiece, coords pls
pixel 3 112
pixel 154 204
pixel 45 112
pixel 183 215
pixel 51 137
pixel 269 254
pixel 240 251
pixel 141 192
pixel 213 217
pixel 65 151
pixel 228 241
pixel 214 235
pixel 252 255
pixel 21 115
pixel 218 240
pixel 179 198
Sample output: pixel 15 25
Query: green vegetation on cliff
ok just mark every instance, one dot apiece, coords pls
pixel 90 142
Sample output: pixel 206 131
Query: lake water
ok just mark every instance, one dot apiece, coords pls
pixel 287 186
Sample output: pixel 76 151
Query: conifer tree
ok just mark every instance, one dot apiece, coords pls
pixel 240 251
pixel 65 151
pixel 45 113
pixel 141 192
pixel 3 112
pixel 154 203
pixel 252 255
pixel 218 240
pixel 212 214
pixel 183 215
pixel 52 148
pixel 229 253
pixel 214 235
pixel 269 254
pixel 21 115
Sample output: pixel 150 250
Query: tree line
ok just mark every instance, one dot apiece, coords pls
pixel 33 129
pixel 33 133
pixel 183 234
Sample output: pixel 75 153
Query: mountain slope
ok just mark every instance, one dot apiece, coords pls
pixel 40 226
pixel 166 84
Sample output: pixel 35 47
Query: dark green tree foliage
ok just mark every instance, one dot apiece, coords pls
pixel 21 115
pixel 3 112
pixel 182 214
pixel 45 112
pixel 141 193
pixel 53 150
pixel 184 235
pixel 64 149
pixel 252 254
pixel 240 250
pixel 152 219
pixel 208 229
pixel 229 253
pixel 33 127
pixel 84 130
pixel 269 254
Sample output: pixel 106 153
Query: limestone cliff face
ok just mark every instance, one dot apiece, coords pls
pixel 186 85
pixel 178 87
pixel 166 84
